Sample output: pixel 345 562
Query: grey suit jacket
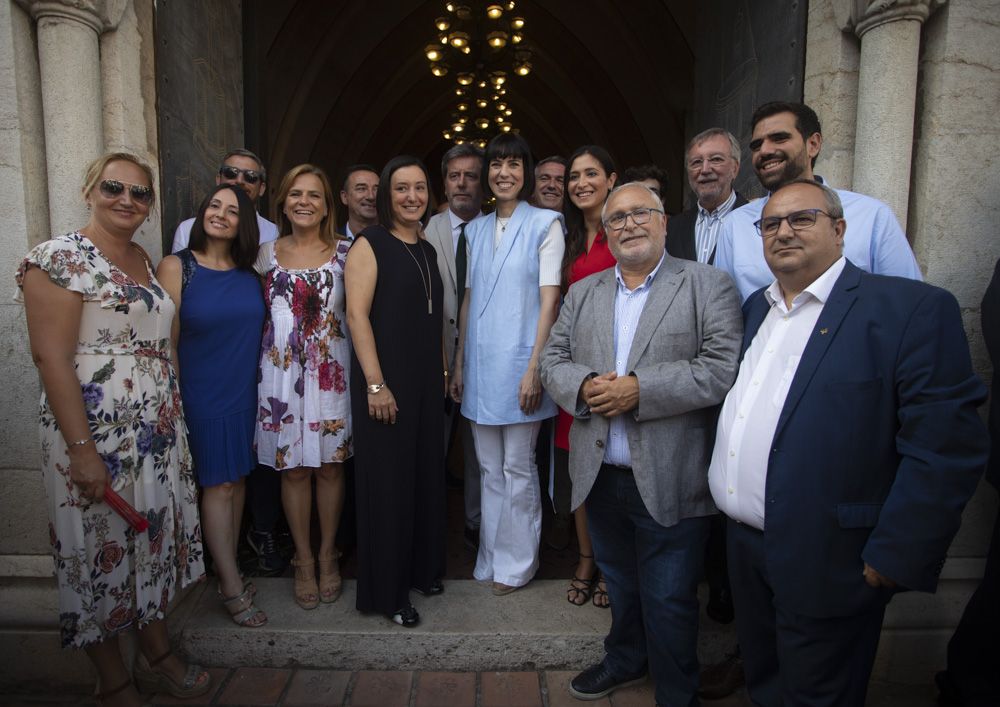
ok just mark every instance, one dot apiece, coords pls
pixel 438 234
pixel 685 356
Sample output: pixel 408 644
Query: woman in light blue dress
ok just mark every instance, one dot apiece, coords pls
pixel 512 300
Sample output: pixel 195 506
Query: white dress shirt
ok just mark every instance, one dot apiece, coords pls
pixel 456 222
pixel 706 228
pixel 628 308
pixel 737 475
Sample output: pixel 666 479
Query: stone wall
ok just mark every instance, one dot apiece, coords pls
pixel 954 209
pixel 125 74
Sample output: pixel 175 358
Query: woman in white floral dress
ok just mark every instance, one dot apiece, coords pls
pixel 304 416
pixel 110 417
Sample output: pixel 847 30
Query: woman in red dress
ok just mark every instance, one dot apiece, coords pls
pixel 590 177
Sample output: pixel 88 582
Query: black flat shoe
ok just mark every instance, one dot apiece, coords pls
pixel 436 588
pixel 406 617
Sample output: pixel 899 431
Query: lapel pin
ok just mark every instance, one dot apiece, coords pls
pixel 823 330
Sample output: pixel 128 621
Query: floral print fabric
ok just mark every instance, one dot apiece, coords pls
pixel 304 415
pixel 111 577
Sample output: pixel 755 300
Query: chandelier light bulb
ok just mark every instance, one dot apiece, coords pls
pixel 432 52
pixel 465 78
pixel 497 40
pixel 494 11
pixel 442 23
pixel 516 22
pixel 481 103
pixel 439 69
pixel 516 38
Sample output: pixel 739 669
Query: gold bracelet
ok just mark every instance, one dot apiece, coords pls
pixel 79 442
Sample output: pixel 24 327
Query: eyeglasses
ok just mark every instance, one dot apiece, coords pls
pixel 113 188
pixel 250 176
pixel 715 161
pixel 639 217
pixel 797 220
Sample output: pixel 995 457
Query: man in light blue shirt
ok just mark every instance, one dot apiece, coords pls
pixel 785 143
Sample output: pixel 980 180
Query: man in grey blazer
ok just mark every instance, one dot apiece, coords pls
pixel 461 167
pixel 642 354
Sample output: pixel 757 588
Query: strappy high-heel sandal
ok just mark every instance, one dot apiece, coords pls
pixel 600 597
pixel 306 589
pixel 579 590
pixel 148 679
pixel 242 610
pixel 329 578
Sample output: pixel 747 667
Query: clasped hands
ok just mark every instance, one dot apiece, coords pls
pixel 610 394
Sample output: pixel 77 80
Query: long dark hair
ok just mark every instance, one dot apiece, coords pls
pixel 243 248
pixel 383 197
pixel 576 229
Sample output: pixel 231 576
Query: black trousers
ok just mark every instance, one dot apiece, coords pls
pixel 974 650
pixel 788 658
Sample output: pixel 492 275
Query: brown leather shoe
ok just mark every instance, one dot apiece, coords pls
pixel 722 679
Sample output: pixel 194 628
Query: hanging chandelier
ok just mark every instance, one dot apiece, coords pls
pixel 482 46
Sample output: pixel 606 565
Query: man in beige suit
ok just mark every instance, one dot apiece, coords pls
pixel 642 354
pixel 461 167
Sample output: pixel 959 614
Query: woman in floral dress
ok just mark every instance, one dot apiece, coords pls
pixel 110 417
pixel 304 417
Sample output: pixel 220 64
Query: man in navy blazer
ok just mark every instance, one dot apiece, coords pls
pixel 845 453
pixel 712 163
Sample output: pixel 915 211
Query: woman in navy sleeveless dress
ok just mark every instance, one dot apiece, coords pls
pixel 217 331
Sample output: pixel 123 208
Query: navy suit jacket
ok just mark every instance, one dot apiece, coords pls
pixel 680 232
pixel 878 446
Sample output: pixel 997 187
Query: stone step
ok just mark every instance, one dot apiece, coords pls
pixel 464 629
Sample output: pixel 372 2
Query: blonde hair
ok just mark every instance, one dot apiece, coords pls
pixel 96 168
pixel 327 233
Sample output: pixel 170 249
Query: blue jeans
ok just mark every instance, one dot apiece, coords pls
pixel 652 575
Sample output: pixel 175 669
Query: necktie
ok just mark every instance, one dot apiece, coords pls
pixel 460 264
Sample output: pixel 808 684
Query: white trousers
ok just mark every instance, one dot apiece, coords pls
pixel 511 503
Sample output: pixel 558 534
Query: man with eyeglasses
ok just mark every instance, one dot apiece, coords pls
pixel 844 453
pixel 358 195
pixel 785 143
pixel 642 353
pixel 713 161
pixel 245 170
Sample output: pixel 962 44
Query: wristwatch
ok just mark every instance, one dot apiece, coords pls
pixel 375 387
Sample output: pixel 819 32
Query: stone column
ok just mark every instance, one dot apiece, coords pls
pixel 889 31
pixel 72 105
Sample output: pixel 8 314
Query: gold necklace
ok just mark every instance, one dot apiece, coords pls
pixel 426 282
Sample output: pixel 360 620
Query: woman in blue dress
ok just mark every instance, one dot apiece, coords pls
pixel 216 333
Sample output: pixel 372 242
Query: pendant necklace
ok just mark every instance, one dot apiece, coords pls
pixel 425 281
pixel 503 223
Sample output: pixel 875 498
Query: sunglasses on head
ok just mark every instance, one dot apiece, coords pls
pixel 113 188
pixel 250 176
